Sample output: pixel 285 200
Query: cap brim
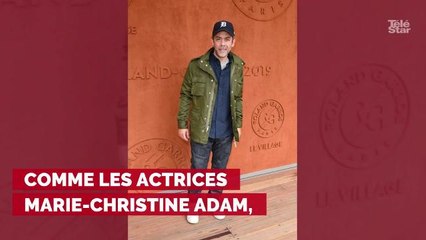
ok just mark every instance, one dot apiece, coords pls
pixel 223 30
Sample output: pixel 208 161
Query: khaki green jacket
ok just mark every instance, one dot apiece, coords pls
pixel 198 96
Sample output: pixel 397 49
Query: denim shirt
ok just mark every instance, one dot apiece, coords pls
pixel 221 125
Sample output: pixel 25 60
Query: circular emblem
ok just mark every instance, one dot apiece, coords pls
pixel 262 10
pixel 364 116
pixel 157 153
pixel 267 118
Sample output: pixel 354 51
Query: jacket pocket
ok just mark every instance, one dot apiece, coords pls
pixel 198 89
pixel 238 89
pixel 198 96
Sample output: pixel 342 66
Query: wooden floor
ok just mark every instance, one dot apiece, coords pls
pixel 279 224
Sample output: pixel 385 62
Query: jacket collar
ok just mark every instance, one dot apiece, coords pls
pixel 204 61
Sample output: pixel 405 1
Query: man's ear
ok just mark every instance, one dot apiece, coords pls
pixel 233 42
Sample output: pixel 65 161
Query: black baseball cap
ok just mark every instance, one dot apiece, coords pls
pixel 223 26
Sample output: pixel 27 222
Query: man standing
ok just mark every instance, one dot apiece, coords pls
pixel 210 104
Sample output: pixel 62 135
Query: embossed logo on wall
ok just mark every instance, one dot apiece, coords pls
pixel 364 116
pixel 156 72
pixel 257 71
pixel 262 10
pixel 258 147
pixel 157 153
pixel 165 72
pixel 267 118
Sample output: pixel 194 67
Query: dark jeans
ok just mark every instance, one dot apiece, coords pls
pixel 220 148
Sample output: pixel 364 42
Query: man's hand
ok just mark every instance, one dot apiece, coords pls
pixel 184 134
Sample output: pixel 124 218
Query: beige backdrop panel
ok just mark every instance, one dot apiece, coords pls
pixel 164 35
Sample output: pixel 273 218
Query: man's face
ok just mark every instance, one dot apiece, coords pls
pixel 222 44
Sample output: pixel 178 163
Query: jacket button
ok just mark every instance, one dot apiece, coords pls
pixel 232 91
pixel 212 80
pixel 210 93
